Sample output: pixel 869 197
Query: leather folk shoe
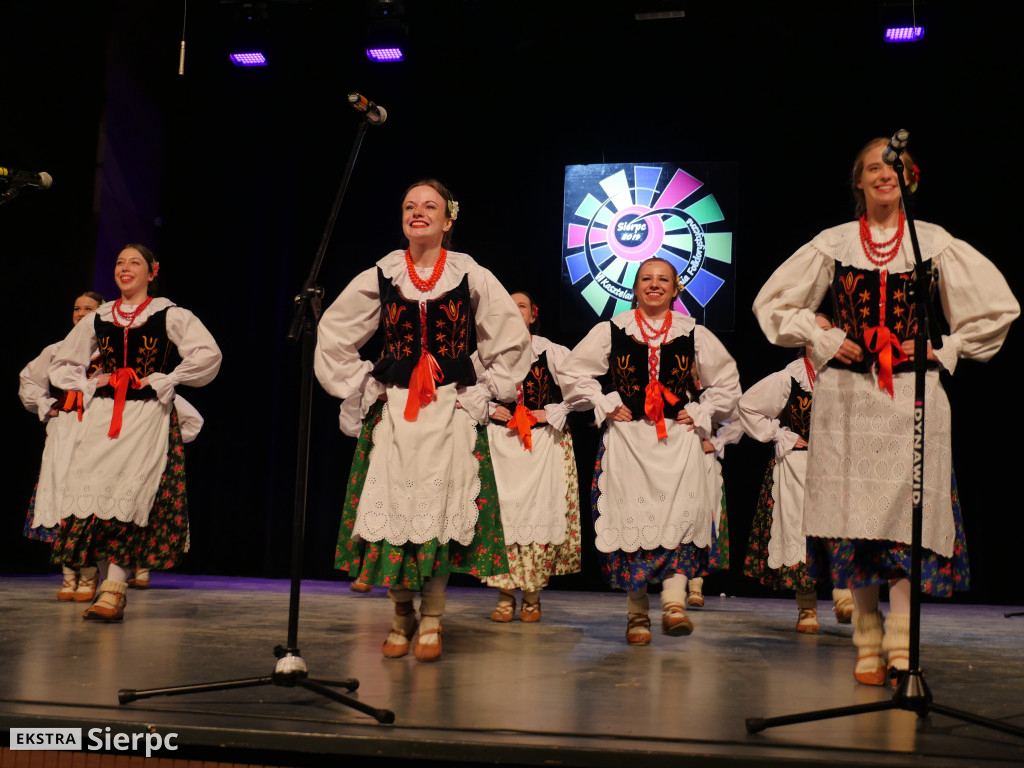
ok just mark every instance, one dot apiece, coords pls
pixel 110 604
pixel 674 621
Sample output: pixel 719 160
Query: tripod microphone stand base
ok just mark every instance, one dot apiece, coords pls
pixel 289 672
pixel 911 694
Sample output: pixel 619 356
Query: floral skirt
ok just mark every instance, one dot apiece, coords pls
pixel 49 535
pixel 159 545
pixel 867 562
pixel 718 557
pixel 409 565
pixel 632 571
pixel 755 564
pixel 531 565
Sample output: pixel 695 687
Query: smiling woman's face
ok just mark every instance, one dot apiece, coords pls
pixel 425 216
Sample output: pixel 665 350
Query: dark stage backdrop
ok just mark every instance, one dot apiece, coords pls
pixel 229 174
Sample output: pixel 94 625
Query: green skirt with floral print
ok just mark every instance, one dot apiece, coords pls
pixel 409 564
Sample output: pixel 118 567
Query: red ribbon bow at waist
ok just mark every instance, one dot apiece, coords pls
pixel 655 396
pixel 522 420
pixel 120 380
pixel 73 402
pixel 422 389
pixel 885 344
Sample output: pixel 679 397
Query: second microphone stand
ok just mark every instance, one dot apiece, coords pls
pixel 912 692
pixel 290 670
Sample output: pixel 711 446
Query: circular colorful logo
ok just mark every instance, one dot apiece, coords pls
pixel 611 234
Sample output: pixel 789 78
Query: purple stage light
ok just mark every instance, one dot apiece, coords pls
pixel 249 59
pixel 384 54
pixel 903 34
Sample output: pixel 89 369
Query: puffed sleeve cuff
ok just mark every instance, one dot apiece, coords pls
pixel 43 406
pixel 825 346
pixel 719 446
pixel 371 392
pixel 605 404
pixel 785 439
pixel 730 432
pixel 163 385
pixel 557 413
pixel 88 392
pixel 475 401
pixel 189 419
pixel 950 352
pixel 350 418
pixel 701 415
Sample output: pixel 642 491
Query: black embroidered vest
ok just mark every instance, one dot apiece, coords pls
pixel 628 371
pixel 796 415
pixel 451 334
pixel 149 351
pixel 856 299
pixel 539 389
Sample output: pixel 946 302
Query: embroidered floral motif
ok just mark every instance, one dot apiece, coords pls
pixel 624 377
pixel 107 361
pixel 452 336
pixel 903 321
pixel 538 387
pixel 850 308
pixel 398 336
pixel 800 416
pixel 680 375
pixel 145 360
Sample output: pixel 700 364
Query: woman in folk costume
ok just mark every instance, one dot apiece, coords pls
pixel 729 432
pixel 421 500
pixel 124 493
pixel 62 414
pixel 778 409
pixel 535 471
pixel 858 488
pixel 652 497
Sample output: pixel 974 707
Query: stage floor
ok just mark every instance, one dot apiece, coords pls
pixel 566 691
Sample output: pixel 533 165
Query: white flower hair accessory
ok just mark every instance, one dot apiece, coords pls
pixel 453 209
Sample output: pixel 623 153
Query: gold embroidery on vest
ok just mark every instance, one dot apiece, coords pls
pixel 624 377
pixel 144 360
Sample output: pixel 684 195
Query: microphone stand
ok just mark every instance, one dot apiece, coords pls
pixel 290 670
pixel 10 193
pixel 912 693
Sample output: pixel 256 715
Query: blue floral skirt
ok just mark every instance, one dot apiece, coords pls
pixel 867 562
pixel 632 571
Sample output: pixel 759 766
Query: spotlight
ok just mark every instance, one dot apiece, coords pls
pixel 384 54
pixel 252 59
pixel 903 21
pixel 386 32
pixel 246 31
pixel 903 34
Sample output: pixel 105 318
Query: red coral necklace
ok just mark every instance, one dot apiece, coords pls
pixel 876 252
pixel 435 275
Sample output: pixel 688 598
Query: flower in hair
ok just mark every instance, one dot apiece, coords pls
pixel 916 173
pixel 156 267
pixel 453 209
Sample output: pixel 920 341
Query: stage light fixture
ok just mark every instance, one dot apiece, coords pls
pixel 252 59
pixel 384 54
pixel 903 34
pixel 386 32
pixel 903 22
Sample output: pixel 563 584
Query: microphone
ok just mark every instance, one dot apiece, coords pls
pixel 375 115
pixel 897 144
pixel 41 180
